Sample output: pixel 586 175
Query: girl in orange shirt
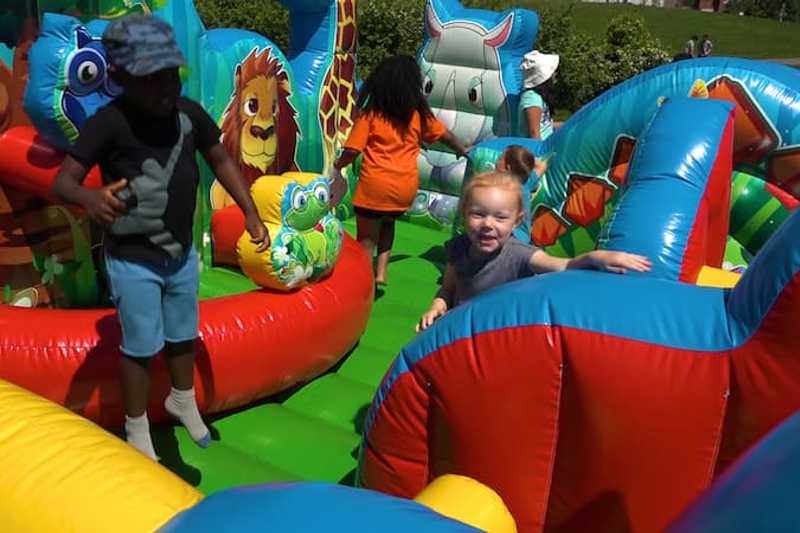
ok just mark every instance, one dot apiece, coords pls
pixel 394 120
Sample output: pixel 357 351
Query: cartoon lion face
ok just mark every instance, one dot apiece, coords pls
pixel 259 127
pixel 258 115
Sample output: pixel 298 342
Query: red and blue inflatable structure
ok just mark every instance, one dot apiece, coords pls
pixel 757 494
pixel 590 400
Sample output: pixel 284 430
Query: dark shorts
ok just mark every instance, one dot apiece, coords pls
pixel 376 215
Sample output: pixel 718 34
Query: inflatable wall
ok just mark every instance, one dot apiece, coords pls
pixel 755 493
pixel 469 61
pixel 90 481
pixel 591 152
pixel 594 401
pixel 273 120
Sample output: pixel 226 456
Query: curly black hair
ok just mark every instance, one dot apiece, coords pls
pixel 394 90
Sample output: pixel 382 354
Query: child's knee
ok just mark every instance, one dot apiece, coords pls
pixel 138 361
pixel 174 349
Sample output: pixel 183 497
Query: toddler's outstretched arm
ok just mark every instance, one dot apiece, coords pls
pixel 441 303
pixel 617 262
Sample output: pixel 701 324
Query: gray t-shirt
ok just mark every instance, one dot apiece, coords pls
pixel 476 275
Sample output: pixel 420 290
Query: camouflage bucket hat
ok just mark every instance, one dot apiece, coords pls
pixel 141 45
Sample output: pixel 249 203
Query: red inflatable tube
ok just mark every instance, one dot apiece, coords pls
pixel 251 345
pixel 227 225
pixel 30 164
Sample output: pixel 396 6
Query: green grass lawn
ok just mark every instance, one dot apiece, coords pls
pixel 732 35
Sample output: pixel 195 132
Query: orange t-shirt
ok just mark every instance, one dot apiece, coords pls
pixel 389 178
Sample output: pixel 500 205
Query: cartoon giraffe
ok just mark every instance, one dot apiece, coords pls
pixel 338 91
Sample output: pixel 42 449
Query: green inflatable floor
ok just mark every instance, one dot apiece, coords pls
pixel 313 432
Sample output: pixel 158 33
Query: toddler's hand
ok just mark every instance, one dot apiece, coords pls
pixel 429 318
pixel 258 233
pixel 619 262
pixel 102 204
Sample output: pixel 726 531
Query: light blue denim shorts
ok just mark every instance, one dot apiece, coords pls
pixel 156 301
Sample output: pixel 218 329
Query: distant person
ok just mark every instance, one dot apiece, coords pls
pixel 691 46
pixel 537 98
pixel 706 46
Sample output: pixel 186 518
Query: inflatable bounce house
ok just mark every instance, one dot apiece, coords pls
pixel 573 401
pixel 597 402
pixel 470 59
pixel 282 118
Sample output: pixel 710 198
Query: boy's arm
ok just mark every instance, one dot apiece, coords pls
pixel 102 205
pixel 230 177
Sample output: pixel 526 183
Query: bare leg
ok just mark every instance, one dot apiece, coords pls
pixel 180 361
pixel 367 232
pixel 181 401
pixel 135 381
pixel 385 242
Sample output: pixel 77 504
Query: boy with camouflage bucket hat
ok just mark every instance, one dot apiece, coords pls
pixel 145 143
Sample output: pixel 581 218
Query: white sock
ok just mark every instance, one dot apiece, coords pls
pixel 182 405
pixel 137 431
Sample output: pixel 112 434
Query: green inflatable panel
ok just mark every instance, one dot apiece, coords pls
pixel 312 432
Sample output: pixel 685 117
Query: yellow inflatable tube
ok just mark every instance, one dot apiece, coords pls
pixel 468 501
pixel 60 472
pixel 717 278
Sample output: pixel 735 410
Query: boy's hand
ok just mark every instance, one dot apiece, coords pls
pixel 102 205
pixel 619 262
pixel 258 233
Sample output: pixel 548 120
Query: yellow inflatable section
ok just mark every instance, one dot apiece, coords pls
pixel 468 501
pixel 717 278
pixel 60 472
pixel 306 236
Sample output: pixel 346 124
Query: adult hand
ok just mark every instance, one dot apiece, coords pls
pixel 619 262
pixel 258 233
pixel 102 204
